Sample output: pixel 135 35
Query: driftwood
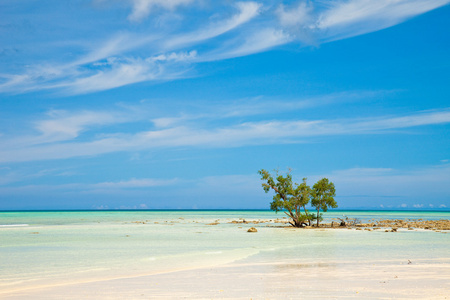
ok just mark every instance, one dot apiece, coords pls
pixel 346 221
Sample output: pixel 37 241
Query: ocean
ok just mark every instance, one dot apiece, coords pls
pixel 61 248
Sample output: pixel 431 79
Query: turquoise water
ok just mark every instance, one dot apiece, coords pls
pixel 41 247
pixel 85 217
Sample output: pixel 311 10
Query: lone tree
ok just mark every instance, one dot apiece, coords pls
pixel 302 194
pixel 322 196
pixel 289 197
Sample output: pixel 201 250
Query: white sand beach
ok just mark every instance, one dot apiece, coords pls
pixel 365 280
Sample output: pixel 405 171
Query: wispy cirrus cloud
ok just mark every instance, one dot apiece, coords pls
pixel 334 20
pixel 343 19
pixel 246 12
pixel 191 131
pixel 126 56
pixel 117 74
pixel 110 66
pixel 99 187
pixel 9 176
pixel 60 126
pixel 253 42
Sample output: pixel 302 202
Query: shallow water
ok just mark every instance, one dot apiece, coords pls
pixel 86 217
pixel 39 248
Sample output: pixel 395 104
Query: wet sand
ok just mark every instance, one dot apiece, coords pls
pixel 270 280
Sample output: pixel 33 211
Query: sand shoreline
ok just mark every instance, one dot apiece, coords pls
pixel 365 280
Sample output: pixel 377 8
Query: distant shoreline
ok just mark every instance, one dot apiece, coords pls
pixel 218 209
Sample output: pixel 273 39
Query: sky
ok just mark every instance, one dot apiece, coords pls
pixel 176 104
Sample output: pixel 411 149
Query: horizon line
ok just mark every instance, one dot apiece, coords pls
pixel 218 209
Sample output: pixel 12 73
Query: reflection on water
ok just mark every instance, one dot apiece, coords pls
pixel 299 267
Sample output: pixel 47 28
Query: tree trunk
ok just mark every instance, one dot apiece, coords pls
pixel 307 215
pixel 318 213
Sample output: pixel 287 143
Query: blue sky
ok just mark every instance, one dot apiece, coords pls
pixel 178 103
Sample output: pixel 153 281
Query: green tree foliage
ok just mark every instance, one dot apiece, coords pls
pixel 289 197
pixel 322 196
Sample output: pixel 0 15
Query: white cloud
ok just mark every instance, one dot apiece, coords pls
pixel 120 73
pixel 200 134
pixel 298 21
pixel 343 19
pixel 247 11
pixel 63 125
pixel 114 46
pixel 263 105
pixel 101 187
pixel 418 205
pixel 255 42
pixel 135 183
pixel 10 82
pixel 8 175
pixel 169 121
pixel 424 118
pixel 127 55
pixel 300 15
pixel 182 56
pixel 143 8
